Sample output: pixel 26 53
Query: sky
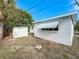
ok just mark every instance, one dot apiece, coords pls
pixel 41 9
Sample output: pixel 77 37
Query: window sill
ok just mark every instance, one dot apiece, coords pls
pixel 50 31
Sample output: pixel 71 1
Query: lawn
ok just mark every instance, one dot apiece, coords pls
pixel 28 48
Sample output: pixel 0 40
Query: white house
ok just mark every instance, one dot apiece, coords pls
pixel 59 29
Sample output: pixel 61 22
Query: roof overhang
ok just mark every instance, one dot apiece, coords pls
pixel 49 25
pixel 72 14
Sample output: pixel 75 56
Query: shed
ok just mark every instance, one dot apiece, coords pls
pixel 21 31
pixel 59 29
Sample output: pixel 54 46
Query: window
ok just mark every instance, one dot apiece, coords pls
pixel 52 26
pixel 50 29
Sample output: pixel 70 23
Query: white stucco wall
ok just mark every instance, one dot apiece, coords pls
pixel 64 34
pixel 20 32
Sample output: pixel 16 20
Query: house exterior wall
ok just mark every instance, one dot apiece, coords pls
pixel 1 31
pixel 64 35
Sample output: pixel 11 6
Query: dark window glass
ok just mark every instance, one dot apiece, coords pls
pixel 50 29
pixel 56 29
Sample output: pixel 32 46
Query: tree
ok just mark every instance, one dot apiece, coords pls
pixel 14 16
pixel 77 2
pixel 77 26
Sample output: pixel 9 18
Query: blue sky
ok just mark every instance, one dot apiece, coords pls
pixel 41 9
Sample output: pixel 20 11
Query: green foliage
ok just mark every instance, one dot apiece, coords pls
pixel 15 16
pixel 77 3
pixel 10 1
pixel 77 26
pixel 25 18
pixel 1 5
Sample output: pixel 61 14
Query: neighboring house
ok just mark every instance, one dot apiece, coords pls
pixel 59 29
pixel 1 25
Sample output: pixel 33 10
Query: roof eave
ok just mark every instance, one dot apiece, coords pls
pixel 69 14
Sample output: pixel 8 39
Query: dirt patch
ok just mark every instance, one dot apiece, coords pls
pixel 28 48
